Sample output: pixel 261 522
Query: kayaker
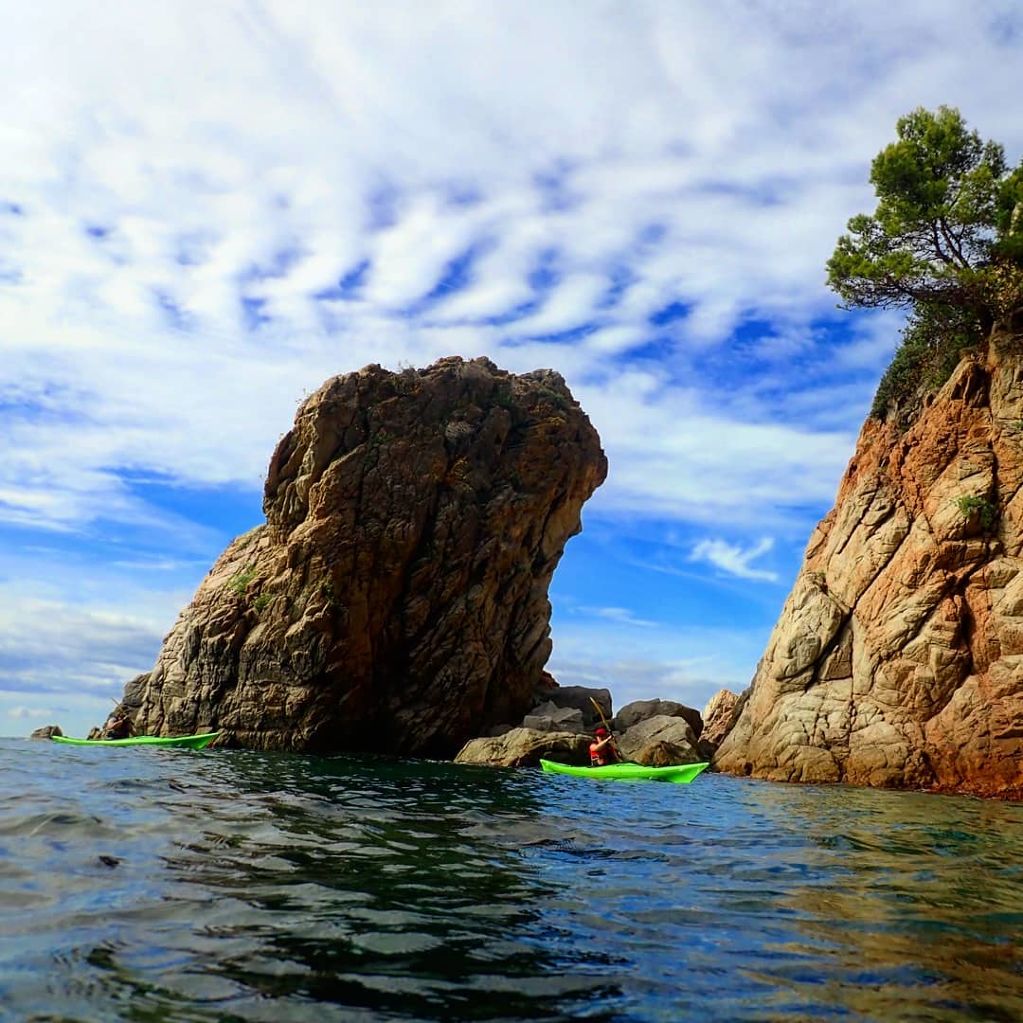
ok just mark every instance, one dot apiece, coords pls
pixel 117 726
pixel 603 749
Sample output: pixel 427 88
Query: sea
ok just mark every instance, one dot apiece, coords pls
pixel 153 885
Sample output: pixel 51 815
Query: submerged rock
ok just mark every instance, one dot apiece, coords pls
pixel 395 599
pixel 898 657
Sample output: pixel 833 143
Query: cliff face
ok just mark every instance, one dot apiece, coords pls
pixel 898 657
pixel 396 598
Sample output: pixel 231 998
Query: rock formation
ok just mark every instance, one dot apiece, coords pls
pixel 657 733
pixel 659 741
pixel 718 718
pixel 46 732
pixel 524 747
pixel 898 657
pixel 639 710
pixel 396 598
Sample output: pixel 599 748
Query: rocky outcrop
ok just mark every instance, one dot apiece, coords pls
pixel 396 598
pixel 639 710
pixel 583 699
pixel 656 733
pixel 524 747
pixel 898 657
pixel 46 732
pixel 718 717
pixel 549 717
pixel 660 741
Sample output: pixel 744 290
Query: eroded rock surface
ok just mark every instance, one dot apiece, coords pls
pixel 524 747
pixel 718 717
pixel 639 710
pixel 46 732
pixel 659 741
pixel 396 597
pixel 898 657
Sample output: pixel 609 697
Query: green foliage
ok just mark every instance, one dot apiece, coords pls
pixel 239 582
pixel 945 241
pixel 948 209
pixel 503 396
pixel 986 511
pixel 933 342
pixel 261 601
pixel 552 396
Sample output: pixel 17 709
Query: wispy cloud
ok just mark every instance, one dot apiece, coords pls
pixel 28 713
pixel 621 615
pixel 198 229
pixel 734 559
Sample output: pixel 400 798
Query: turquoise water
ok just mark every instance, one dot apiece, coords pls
pixel 163 885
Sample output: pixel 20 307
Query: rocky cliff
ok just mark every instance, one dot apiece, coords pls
pixel 898 657
pixel 396 597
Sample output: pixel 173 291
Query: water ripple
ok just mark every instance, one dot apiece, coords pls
pixel 244 886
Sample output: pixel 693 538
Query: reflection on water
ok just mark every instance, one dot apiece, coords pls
pixel 916 900
pixel 229 886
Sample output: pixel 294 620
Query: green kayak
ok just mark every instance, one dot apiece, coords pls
pixel 681 774
pixel 183 741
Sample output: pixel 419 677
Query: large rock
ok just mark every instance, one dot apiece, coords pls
pixel 659 741
pixel 549 717
pixel 580 698
pixel 718 717
pixel 524 747
pixel 46 732
pixel 898 657
pixel 639 710
pixel 396 597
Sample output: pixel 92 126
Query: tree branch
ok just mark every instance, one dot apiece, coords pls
pixel 953 244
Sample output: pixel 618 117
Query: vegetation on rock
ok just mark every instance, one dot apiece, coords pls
pixel 945 242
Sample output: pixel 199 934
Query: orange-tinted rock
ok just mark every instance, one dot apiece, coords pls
pixel 396 597
pixel 898 657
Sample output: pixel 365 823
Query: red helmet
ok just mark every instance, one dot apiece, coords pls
pixel 600 730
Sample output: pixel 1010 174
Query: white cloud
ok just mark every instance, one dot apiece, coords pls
pixel 171 177
pixel 620 615
pixel 734 559
pixel 25 713
pixel 688 663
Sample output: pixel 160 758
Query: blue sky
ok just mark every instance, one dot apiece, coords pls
pixel 206 209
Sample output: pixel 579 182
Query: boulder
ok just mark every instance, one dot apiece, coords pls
pixel 395 600
pixel 665 754
pixel 897 660
pixel 46 732
pixel 718 717
pixel 639 710
pixel 549 717
pixel 653 739
pixel 580 698
pixel 524 747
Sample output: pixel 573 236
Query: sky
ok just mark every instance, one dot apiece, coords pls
pixel 209 208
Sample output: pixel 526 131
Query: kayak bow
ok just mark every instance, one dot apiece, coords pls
pixel 681 774
pixel 200 741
